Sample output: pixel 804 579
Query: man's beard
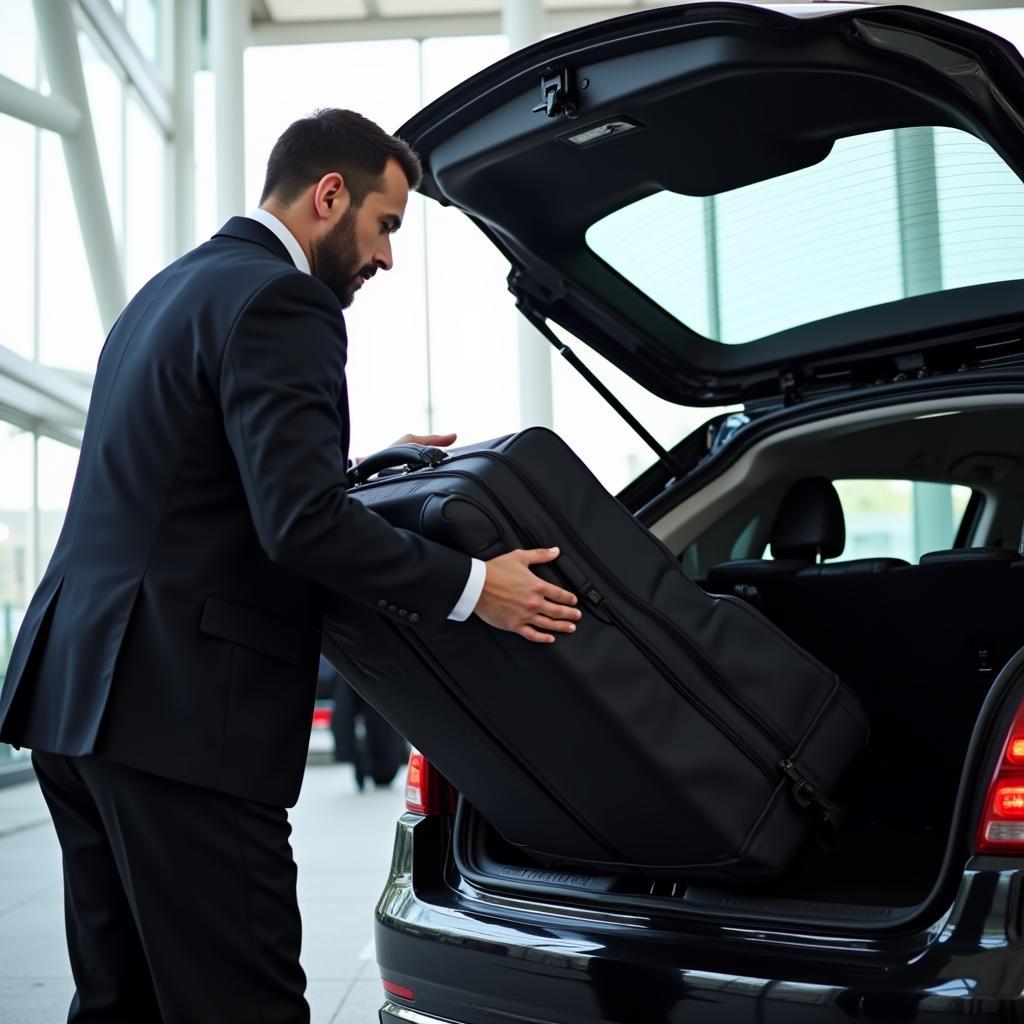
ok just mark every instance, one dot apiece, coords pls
pixel 336 259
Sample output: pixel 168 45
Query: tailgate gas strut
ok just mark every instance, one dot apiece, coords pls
pixel 591 378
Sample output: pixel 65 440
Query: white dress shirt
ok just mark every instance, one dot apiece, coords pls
pixel 477 571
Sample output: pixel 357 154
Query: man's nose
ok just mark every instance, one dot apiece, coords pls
pixel 383 257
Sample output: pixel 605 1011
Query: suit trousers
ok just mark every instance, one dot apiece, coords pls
pixel 180 902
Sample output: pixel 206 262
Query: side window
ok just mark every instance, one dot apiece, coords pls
pixel 899 518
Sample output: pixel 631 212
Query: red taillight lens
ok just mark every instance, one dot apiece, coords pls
pixel 427 791
pixel 394 989
pixel 322 718
pixel 1001 829
pixel 1009 801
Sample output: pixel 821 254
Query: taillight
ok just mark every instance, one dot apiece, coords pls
pixel 427 791
pixel 1001 829
pixel 394 989
pixel 322 718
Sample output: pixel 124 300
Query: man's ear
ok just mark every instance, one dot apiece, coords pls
pixel 330 197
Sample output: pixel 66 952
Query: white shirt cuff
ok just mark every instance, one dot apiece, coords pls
pixel 471 594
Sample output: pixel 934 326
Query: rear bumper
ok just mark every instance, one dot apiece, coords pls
pixel 391 1013
pixel 470 961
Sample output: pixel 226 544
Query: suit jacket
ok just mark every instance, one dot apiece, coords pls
pixel 177 626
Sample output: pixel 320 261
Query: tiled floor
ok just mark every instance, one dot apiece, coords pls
pixel 342 841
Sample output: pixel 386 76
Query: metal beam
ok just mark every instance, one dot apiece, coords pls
pixel 42 398
pixel 186 41
pixel 141 71
pixel 58 39
pixel 917 205
pixel 711 268
pixel 523 23
pixel 52 112
pixel 228 26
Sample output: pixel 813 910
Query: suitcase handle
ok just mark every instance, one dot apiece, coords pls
pixel 410 456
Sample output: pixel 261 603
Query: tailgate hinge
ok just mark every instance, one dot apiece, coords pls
pixel 556 93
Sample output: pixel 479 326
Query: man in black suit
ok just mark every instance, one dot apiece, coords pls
pixel 165 672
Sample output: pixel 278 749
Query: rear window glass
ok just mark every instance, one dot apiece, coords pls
pixel 884 216
pixel 899 518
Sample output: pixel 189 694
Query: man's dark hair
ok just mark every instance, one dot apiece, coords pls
pixel 336 140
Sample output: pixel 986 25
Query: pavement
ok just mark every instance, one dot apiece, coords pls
pixel 342 841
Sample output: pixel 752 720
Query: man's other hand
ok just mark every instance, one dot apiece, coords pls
pixel 516 599
pixel 431 440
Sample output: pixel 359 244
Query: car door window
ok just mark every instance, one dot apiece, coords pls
pixel 899 518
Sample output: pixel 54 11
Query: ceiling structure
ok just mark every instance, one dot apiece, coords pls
pixel 305 21
pixel 282 22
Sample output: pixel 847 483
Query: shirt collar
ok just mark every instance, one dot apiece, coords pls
pixel 288 240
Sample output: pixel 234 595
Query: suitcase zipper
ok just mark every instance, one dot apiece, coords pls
pixel 807 796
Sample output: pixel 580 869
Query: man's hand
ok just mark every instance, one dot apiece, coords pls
pixel 432 440
pixel 515 599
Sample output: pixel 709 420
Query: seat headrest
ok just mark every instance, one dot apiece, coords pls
pixel 809 522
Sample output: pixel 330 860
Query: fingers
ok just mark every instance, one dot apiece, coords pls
pixel 535 556
pixel 555 625
pixel 529 633
pixel 432 440
pixel 556 610
pixel 556 595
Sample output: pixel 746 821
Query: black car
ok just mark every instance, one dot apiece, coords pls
pixel 817 214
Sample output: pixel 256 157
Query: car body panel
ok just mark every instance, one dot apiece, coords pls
pixel 470 961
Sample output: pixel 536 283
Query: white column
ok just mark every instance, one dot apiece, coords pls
pixel 59 41
pixel 228 26
pixel 185 64
pixel 522 21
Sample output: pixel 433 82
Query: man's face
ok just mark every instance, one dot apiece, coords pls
pixel 360 243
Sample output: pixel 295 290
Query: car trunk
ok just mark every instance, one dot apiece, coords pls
pixel 898 795
pixel 922 646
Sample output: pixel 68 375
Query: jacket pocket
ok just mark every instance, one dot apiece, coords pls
pixel 252 628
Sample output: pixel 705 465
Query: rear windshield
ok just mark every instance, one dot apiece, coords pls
pixel 884 216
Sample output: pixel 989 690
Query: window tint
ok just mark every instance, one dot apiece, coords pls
pixel 899 518
pixel 884 216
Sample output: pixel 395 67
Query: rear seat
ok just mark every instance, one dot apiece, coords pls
pixel 808 525
pixel 919 644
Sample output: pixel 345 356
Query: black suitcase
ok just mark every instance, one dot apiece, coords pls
pixel 675 733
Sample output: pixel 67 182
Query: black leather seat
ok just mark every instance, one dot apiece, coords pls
pixel 808 525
